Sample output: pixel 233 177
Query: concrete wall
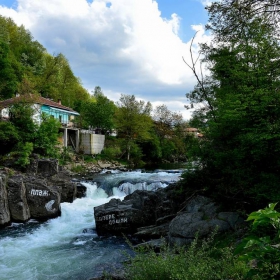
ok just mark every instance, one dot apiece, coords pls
pixel 91 144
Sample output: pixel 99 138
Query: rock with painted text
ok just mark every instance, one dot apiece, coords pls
pixel 118 217
pixel 43 200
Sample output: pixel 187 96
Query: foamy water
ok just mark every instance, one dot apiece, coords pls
pixel 66 247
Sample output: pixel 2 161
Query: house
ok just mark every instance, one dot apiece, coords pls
pixel 41 105
pixel 85 141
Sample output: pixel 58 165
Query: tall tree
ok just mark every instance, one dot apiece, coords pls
pixel 242 148
pixel 133 120
pixel 98 113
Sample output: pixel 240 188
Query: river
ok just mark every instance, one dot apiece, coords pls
pixel 68 247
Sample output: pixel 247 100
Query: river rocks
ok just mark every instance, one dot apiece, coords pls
pixel 36 194
pixel 81 190
pixel 43 200
pixel 43 167
pixel 18 206
pixel 4 207
pixel 66 188
pixel 117 217
pixel 162 213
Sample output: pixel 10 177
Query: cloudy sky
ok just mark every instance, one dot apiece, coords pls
pixel 123 46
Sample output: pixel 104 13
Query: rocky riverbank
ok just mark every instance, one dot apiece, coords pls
pixel 37 193
pixel 166 213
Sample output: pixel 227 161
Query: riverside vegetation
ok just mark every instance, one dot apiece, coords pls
pixel 237 160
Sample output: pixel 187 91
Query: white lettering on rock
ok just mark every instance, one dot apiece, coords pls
pixel 39 192
pixel 112 219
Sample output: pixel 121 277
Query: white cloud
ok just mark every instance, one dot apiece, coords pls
pixel 121 45
pixel 207 2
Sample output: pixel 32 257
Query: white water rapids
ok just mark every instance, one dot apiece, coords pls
pixel 67 247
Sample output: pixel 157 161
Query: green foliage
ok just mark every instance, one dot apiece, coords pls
pixel 198 261
pixel 8 79
pixel 23 153
pixel 65 156
pixel 26 67
pixel 112 153
pixel 133 121
pixel 240 118
pixel 21 117
pixel 99 112
pixel 8 137
pixel 259 250
pixel 46 137
pixel 78 168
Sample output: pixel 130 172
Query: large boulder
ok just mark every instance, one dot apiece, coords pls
pixel 67 188
pixel 43 200
pixel 4 207
pixel 43 167
pixel 200 217
pixel 17 199
pixel 117 217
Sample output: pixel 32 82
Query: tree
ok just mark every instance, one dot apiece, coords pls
pixel 168 127
pixel 133 121
pixel 241 150
pixel 8 137
pixel 46 137
pixel 99 112
pixel 228 18
pixel 8 79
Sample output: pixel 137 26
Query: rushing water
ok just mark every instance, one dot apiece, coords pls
pixel 68 247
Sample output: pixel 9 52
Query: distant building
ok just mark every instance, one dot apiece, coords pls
pixel 193 131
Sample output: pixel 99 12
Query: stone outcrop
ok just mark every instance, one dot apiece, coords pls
pixel 117 217
pixel 4 206
pixel 18 206
pixel 43 200
pixel 158 214
pixel 37 193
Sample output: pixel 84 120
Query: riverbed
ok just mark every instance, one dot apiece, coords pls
pixel 68 247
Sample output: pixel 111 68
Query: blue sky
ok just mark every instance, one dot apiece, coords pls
pixel 123 46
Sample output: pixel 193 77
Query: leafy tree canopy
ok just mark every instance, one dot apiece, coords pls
pixel 240 153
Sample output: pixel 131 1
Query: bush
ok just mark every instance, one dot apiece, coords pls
pixel 22 154
pixel 8 137
pixel 111 153
pixel 261 248
pixel 202 262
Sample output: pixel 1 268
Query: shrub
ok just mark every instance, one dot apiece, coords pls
pixel 23 153
pixel 261 248
pixel 198 261
pixel 111 153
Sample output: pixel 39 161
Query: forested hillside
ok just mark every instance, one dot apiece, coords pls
pixel 143 134
pixel 26 67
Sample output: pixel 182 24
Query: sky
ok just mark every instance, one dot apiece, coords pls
pixel 123 46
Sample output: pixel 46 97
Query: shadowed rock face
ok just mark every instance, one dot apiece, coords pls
pixel 139 209
pixel 37 194
pixel 117 217
pixel 4 207
pixel 43 200
pixel 159 214
pixel 18 206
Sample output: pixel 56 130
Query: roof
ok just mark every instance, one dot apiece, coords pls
pixel 191 129
pixel 32 98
